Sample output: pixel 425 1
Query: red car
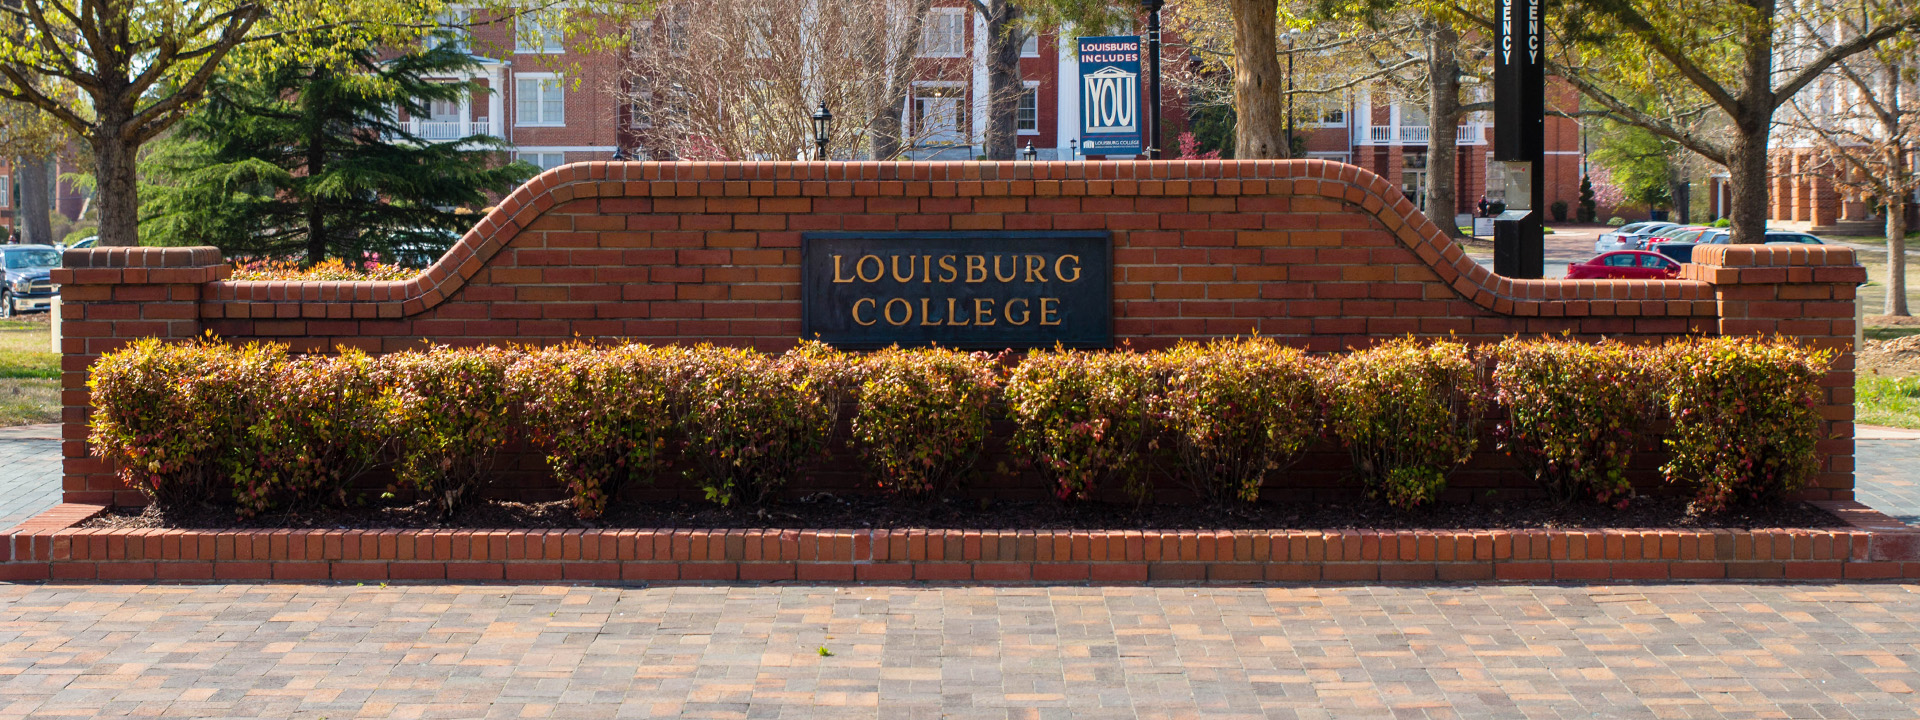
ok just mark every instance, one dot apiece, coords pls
pixel 1625 265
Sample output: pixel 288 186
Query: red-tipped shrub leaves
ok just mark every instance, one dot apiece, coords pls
pixel 605 415
pixel 447 409
pixel 1408 412
pixel 1745 417
pixel 174 417
pixel 1575 413
pixel 753 421
pixel 920 420
pixel 316 429
pixel 1235 410
pixel 1081 418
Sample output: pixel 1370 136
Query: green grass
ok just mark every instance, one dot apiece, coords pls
pixel 1889 333
pixel 24 351
pixel 29 374
pixel 1891 402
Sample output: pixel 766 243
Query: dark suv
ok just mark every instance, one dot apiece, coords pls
pixel 27 285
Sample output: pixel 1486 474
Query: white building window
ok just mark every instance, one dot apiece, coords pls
pixel 452 27
pixel 1030 48
pixel 6 191
pixel 945 34
pixel 531 35
pixel 543 160
pixel 1026 115
pixel 538 100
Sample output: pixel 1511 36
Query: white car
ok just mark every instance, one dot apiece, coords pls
pixel 1629 237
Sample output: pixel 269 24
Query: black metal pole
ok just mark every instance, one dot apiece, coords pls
pixel 1153 78
pixel 1290 42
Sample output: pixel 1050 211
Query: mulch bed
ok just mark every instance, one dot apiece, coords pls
pixel 822 511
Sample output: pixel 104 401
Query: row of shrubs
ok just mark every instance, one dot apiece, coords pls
pixel 193 422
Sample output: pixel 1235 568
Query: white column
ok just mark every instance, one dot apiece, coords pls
pixel 1067 86
pixel 978 97
pixel 497 100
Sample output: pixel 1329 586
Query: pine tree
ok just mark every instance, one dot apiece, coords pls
pixel 1588 213
pixel 314 161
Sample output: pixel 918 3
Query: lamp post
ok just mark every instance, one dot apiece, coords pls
pixel 1153 76
pixel 822 121
pixel 1292 37
pixel 1074 144
pixel 1029 154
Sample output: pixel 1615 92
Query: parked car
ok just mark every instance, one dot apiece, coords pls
pixel 1629 237
pixel 1625 265
pixel 1783 237
pixel 28 285
pixel 86 242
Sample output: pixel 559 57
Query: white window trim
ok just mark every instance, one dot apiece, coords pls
pixel 559 82
pixel 1033 85
pixel 6 191
pixel 961 44
pixel 1032 37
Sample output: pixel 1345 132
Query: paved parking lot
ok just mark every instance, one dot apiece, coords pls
pixel 293 651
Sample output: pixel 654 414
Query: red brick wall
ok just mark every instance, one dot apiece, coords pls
pixel 1318 254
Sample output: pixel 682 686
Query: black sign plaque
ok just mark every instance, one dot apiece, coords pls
pixel 975 290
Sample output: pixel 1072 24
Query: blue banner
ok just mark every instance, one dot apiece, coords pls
pixel 1110 119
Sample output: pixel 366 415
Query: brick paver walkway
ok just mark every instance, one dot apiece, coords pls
pixel 1651 651
pixel 29 471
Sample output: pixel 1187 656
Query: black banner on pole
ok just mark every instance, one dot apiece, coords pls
pixel 1519 83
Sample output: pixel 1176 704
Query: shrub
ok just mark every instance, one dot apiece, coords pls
pixel 447 408
pixel 1616 221
pixel 1574 413
pixel 1407 411
pixel 316 428
pixel 1081 418
pixel 921 416
pixel 1235 410
pixel 605 415
pixel 1745 417
pixel 1723 222
pixel 754 421
pixel 1559 210
pixel 172 416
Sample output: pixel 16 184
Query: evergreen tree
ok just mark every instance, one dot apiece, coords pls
pixel 314 160
pixel 1587 210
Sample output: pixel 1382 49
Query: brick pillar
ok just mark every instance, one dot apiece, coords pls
pixel 1806 293
pixel 1824 204
pixel 1781 198
pixel 108 298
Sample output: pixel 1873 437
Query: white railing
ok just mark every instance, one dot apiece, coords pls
pixel 1469 134
pixel 1413 134
pixel 439 130
pixel 1381 134
pixel 444 130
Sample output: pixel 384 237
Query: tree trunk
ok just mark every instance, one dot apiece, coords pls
pixel 1897 255
pixel 1747 181
pixel 316 219
pixel 116 183
pixel 1003 79
pixel 1443 117
pixel 1260 122
pixel 33 176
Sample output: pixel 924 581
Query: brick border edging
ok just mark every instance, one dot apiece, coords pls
pixel 49 547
